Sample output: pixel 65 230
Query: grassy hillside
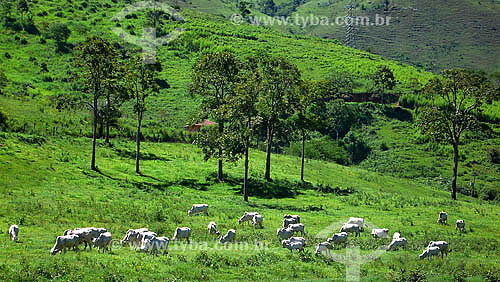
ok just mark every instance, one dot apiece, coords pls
pixel 27 53
pixel 432 34
pixel 56 191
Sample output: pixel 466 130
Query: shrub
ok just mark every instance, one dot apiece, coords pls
pixel 324 149
pixel 494 155
pixel 3 120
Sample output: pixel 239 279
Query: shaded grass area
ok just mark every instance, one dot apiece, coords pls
pixel 51 195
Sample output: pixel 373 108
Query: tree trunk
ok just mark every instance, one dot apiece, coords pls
pixel 303 155
pixel 138 139
pixel 455 171
pixel 220 174
pixel 94 134
pixel 245 178
pixel 107 120
pixel 267 175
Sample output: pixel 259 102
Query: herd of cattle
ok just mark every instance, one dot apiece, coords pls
pixel 148 241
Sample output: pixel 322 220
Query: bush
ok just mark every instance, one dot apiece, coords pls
pixel 494 155
pixel 3 120
pixel 357 148
pixel 324 149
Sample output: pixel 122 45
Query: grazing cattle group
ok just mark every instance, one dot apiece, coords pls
pixel 148 241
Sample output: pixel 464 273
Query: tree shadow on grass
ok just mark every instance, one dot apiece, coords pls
pixel 131 154
pixel 259 188
pixel 163 185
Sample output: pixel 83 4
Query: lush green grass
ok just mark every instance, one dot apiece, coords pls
pixel 432 34
pixel 48 188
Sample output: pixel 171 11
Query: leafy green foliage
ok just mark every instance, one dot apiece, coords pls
pixel 60 33
pixel 324 149
pixel 384 80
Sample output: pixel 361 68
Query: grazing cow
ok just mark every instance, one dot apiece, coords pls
pixel 350 228
pixel 284 233
pixel 14 232
pixel 134 237
pixel 358 221
pixel 288 221
pixel 182 233
pixel 293 245
pixel 229 237
pixel 322 247
pixel 198 208
pixel 460 225
pixel 442 245
pixel 212 228
pixel 257 221
pixel 247 216
pixel 443 218
pixel 294 216
pixel 338 238
pixel 65 242
pixel 155 244
pixel 429 252
pixel 380 233
pixel 103 242
pixel 398 242
pixel 87 234
pixel 298 227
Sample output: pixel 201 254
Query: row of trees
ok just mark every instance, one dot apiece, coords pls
pixel 265 92
pixel 110 82
pixel 261 92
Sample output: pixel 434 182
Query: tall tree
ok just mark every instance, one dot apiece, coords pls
pixel 281 79
pixel 384 79
pixel 244 108
pixel 117 90
pixel 303 118
pixel 94 60
pixel 143 83
pixel 457 96
pixel 214 76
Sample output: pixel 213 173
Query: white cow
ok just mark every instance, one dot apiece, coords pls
pixel 198 208
pixel 284 233
pixel 429 252
pixel 288 221
pixel 338 238
pixel 155 244
pixel 294 216
pixel 322 247
pixel 247 216
pixel 103 242
pixel 257 221
pixel 297 227
pixel 460 225
pixel 134 237
pixel 87 234
pixel 212 228
pixel 443 218
pixel 380 233
pixel 396 235
pixel 397 242
pixel 293 245
pixel 182 233
pixel 358 221
pixel 65 242
pixel 350 228
pixel 14 232
pixel 442 245
pixel 229 237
